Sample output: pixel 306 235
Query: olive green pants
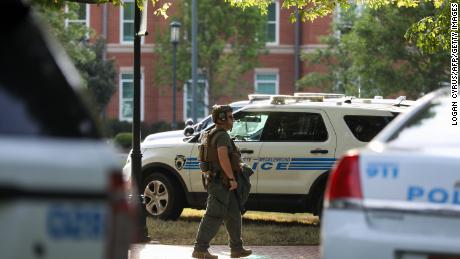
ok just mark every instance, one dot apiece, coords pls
pixel 221 207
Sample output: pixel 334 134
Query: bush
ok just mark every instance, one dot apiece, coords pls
pixel 124 140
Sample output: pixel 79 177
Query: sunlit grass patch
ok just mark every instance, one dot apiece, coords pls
pixel 259 228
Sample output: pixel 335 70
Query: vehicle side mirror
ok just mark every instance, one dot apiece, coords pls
pixel 189 122
pixel 188 131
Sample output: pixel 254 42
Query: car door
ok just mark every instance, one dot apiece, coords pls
pixel 297 147
pixel 246 132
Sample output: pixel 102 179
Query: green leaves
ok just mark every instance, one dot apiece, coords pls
pixel 432 33
pixel 229 41
pixel 369 52
pixel 98 74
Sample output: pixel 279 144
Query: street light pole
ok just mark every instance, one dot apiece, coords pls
pixel 136 155
pixel 175 34
pixel 194 57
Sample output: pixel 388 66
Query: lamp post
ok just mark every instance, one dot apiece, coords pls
pixel 175 33
pixel 136 155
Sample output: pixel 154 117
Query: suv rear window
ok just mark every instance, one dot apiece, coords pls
pixel 295 126
pixel 365 128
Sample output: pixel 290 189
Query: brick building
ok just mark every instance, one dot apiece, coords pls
pixel 275 75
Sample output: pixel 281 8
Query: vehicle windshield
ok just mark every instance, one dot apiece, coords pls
pixel 431 126
pixel 248 126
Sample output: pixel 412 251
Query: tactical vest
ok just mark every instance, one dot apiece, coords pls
pixel 207 152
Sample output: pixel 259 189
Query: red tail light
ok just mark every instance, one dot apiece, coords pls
pixel 122 220
pixel 344 181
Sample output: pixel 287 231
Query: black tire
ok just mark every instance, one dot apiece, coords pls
pixel 164 199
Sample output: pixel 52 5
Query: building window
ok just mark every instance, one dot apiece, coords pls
pixel 266 83
pixel 202 96
pixel 126 96
pixel 81 16
pixel 127 22
pixel 272 23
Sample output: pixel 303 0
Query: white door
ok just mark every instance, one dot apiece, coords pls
pixel 247 131
pixel 297 147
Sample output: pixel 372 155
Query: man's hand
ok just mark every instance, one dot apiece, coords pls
pixel 233 185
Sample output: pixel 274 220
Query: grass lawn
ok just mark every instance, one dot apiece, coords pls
pixel 259 228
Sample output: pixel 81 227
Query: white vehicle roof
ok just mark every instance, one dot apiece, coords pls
pixel 280 102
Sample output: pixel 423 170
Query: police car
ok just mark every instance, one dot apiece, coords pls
pixel 400 196
pixel 206 122
pixel 62 194
pixel 290 142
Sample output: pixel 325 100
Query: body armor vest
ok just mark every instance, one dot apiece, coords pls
pixel 207 152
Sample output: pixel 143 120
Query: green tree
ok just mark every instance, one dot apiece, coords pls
pixel 229 42
pixel 371 52
pixel 430 33
pixel 98 74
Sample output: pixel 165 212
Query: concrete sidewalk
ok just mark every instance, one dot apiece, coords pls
pixel 158 251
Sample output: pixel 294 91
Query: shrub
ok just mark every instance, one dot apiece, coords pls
pixel 124 140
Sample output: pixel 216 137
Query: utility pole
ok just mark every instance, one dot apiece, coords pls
pixel 297 65
pixel 194 58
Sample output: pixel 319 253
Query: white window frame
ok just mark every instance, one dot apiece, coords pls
pixel 277 26
pixel 205 99
pixel 122 10
pixel 87 18
pixel 120 95
pixel 267 72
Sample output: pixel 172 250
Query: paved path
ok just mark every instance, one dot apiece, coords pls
pixel 158 251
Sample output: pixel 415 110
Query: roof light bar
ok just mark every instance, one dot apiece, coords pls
pixel 324 95
pixel 259 97
pixel 282 99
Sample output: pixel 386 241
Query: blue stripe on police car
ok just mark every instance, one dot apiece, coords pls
pixel 289 164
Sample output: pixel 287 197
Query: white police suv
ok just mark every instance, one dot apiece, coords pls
pixel 290 142
pixel 62 194
pixel 400 196
pixel 206 122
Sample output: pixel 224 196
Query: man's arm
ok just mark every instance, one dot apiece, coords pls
pixel 224 160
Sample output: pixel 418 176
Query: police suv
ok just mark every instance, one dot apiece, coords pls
pixel 291 142
pixel 400 196
pixel 206 122
pixel 62 193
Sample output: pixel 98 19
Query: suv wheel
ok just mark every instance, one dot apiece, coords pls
pixel 163 197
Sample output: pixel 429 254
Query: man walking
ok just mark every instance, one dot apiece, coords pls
pixel 219 159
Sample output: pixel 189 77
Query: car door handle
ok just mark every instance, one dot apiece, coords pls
pixel 247 151
pixel 319 151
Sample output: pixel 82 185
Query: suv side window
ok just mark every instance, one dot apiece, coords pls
pixel 248 126
pixel 295 126
pixel 364 127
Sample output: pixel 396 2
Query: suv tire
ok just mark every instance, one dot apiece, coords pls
pixel 164 199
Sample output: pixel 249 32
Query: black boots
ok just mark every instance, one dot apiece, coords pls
pixel 240 253
pixel 203 255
